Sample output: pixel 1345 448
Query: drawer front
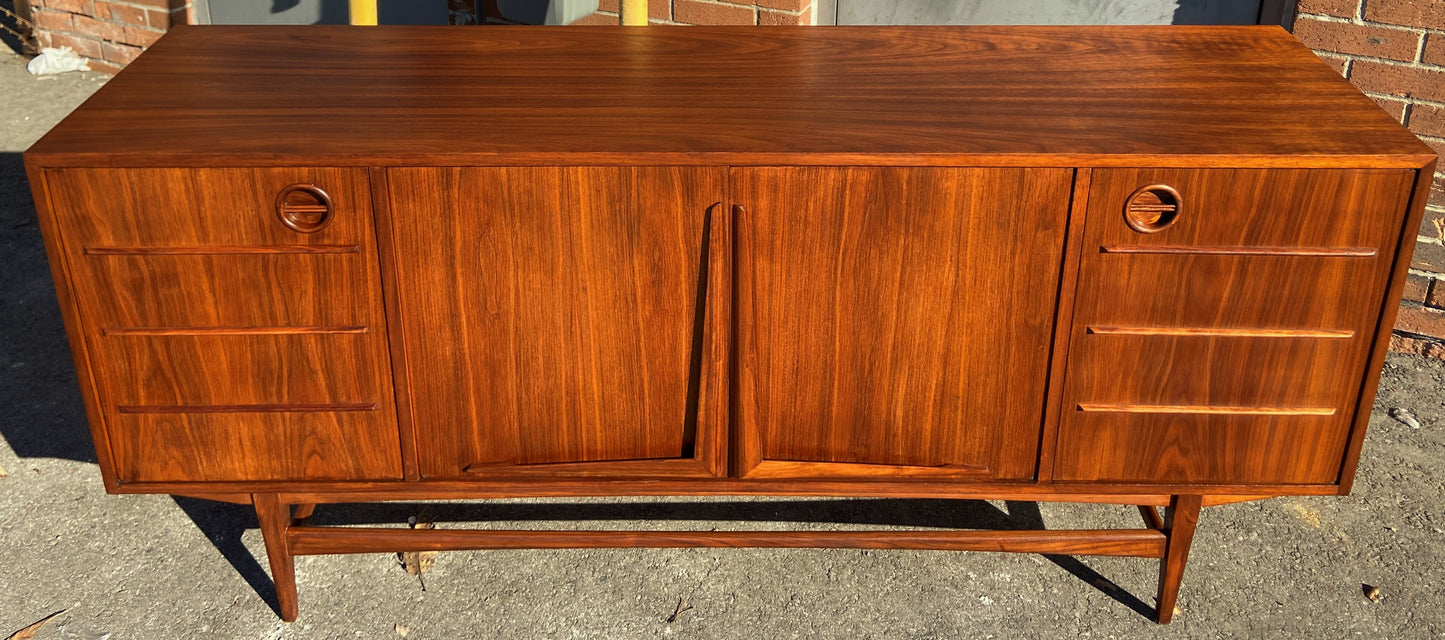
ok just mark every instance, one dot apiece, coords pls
pixel 234 319
pixel 1222 323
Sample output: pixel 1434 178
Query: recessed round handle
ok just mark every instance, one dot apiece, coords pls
pixel 304 208
pixel 1152 208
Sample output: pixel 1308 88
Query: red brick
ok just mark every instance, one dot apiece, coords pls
pixel 659 9
pixel 1417 288
pixel 52 21
pixel 1362 40
pixel 1435 49
pixel 612 6
pixel 1340 63
pixel 141 37
pixel 120 13
pixel 156 19
pixel 156 4
pixel 1428 14
pixel 1427 120
pixel 1432 224
pixel 794 6
pixel 184 15
pixel 1337 8
pixel 778 18
pixel 1417 346
pixel 1398 80
pixel 104 67
pixel 73 6
pixel 111 31
pixel 1392 106
pixel 600 19
pixel 1438 144
pixel 87 47
pixel 712 13
pixel 119 53
pixel 1435 297
pixel 807 16
pixel 1421 321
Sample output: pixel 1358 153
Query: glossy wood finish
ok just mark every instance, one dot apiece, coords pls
pixel 1220 365
pixel 274 517
pixel 226 348
pixel 877 262
pixel 1141 543
pixel 895 317
pixel 967 96
pixel 1183 518
pixel 574 320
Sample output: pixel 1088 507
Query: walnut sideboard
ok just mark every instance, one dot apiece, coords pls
pixel 1151 266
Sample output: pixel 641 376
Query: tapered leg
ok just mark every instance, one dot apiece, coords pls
pixel 275 517
pixel 1182 516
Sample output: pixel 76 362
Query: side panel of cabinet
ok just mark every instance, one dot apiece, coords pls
pixel 562 320
pixel 894 321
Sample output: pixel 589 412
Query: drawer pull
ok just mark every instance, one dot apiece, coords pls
pixel 304 208
pixel 1152 209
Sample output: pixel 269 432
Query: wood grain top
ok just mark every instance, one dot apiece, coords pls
pixel 236 95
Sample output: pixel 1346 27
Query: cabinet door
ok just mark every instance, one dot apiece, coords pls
pixel 562 320
pixel 894 321
pixel 1223 337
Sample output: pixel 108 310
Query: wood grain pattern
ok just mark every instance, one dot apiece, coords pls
pixel 210 447
pixel 206 358
pixel 553 315
pixel 1237 367
pixel 1183 516
pixel 1046 96
pixel 275 517
pixel 1142 543
pixel 898 316
pixel 1398 270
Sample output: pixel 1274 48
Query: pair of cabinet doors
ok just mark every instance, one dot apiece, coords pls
pixel 763 322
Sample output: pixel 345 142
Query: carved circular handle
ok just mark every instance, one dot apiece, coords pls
pixel 1153 208
pixel 304 208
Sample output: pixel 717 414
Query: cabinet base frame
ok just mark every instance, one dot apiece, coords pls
pixel 1166 538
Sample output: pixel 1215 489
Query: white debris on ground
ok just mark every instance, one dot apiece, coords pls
pixel 52 61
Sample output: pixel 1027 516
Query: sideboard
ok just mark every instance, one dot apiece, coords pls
pixel 1152 266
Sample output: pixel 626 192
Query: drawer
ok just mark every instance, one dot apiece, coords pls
pixel 1225 339
pixel 315 292
pixel 151 373
pixel 160 211
pixel 232 446
pixel 234 319
pixel 1326 210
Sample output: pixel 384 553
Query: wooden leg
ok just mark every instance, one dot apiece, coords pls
pixel 1151 517
pixel 1182 516
pixel 302 512
pixel 275 518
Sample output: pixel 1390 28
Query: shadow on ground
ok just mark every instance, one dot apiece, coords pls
pixel 223 523
pixel 46 419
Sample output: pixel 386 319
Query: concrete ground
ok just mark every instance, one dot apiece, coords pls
pixel 158 567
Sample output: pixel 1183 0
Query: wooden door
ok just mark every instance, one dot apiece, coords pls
pixel 562 320
pixel 1221 331
pixel 894 321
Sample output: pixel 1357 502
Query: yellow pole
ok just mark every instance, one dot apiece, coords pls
pixel 634 13
pixel 363 11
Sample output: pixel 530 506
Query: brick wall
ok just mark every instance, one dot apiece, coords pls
pixel 110 33
pixel 1394 50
